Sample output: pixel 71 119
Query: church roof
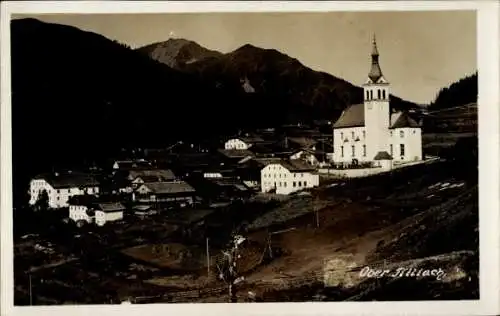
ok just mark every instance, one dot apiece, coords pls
pixel 382 155
pixel 375 72
pixel 403 120
pixel 354 116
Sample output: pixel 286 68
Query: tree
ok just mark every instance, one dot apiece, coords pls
pixel 42 202
pixel 228 270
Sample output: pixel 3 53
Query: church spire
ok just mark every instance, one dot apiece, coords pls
pixel 375 71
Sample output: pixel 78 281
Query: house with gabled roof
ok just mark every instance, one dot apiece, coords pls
pixel 285 176
pixel 61 186
pixel 173 192
pixel 369 130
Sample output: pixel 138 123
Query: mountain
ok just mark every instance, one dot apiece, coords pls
pixel 79 96
pixel 461 92
pixel 274 76
pixel 176 53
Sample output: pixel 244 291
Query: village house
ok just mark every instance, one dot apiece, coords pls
pixel 89 209
pixel 242 142
pixel 79 208
pixel 368 131
pixel 108 212
pixel 305 155
pixel 131 164
pixel 138 177
pixel 173 193
pixel 60 187
pixel 287 176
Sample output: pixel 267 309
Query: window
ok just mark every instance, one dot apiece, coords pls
pixel 284 184
pixel 300 183
pixel 392 152
pixel 364 150
pixel 58 191
pixel 378 94
pixel 383 94
pixel 371 94
pixel 305 183
pixel 353 151
pixel 402 149
pixel 342 135
pixel 352 134
pixel 294 184
pixel 401 134
pixel 367 95
pixel 364 134
pixel 341 151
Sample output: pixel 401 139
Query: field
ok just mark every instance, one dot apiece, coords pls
pixel 413 213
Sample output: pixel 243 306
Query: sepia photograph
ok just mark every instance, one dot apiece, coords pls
pixel 245 157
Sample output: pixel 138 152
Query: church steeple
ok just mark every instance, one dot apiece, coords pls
pixel 375 71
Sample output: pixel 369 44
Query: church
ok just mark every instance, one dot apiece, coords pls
pixel 370 133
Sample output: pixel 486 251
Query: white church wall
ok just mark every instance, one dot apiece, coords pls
pixel 344 139
pixel 411 139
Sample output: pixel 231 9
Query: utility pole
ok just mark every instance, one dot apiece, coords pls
pixel 316 211
pixel 208 260
pixel 31 295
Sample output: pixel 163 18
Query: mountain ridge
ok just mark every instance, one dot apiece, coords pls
pixel 273 72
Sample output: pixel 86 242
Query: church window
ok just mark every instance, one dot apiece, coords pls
pixel 392 151
pixel 383 94
pixel 341 151
pixel 353 151
pixel 402 134
pixel 371 94
pixel 364 150
pixel 367 94
pixel 378 94
pixel 402 149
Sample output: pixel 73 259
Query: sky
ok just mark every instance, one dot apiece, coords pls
pixel 420 52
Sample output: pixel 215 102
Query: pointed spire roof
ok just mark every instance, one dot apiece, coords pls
pixel 375 71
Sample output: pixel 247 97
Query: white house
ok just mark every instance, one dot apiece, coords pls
pixel 287 176
pixel 108 212
pixel 305 155
pixel 60 187
pixel 244 142
pixel 80 212
pixel 366 130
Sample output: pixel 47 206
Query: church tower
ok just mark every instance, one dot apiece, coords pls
pixel 376 108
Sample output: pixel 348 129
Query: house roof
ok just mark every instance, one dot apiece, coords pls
pixel 82 199
pixel 110 207
pixel 169 187
pixel 69 180
pixel 152 175
pixel 236 153
pixel 132 164
pixel 402 119
pixel 303 142
pixel 293 165
pixel 250 139
pixel 382 155
pixel 354 116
